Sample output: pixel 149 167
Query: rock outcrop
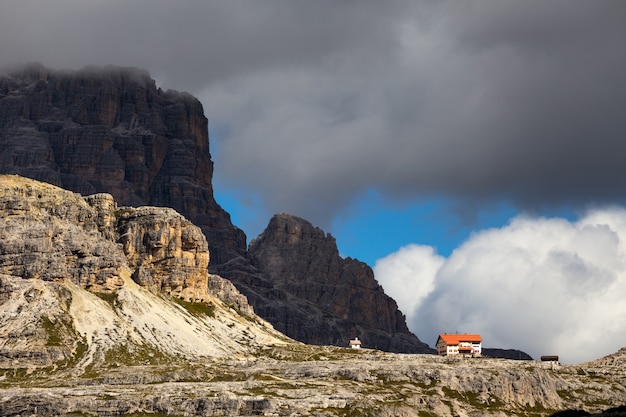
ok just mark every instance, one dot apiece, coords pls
pixel 55 235
pixel 292 380
pixel 229 294
pixel 307 291
pixel 81 275
pixel 111 130
pixel 513 354
pixel 166 252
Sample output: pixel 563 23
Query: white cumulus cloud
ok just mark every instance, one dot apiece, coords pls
pixel 408 275
pixel 542 285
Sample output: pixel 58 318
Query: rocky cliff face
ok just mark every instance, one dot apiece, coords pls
pixel 166 252
pixel 311 293
pixel 111 130
pixel 58 249
pixel 51 234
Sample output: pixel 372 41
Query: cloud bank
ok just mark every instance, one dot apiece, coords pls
pixel 543 285
pixel 312 103
pixel 484 101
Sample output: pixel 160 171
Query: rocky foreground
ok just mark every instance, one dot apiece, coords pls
pixel 300 380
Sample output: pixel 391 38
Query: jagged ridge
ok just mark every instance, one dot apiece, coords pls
pixel 71 293
pixel 111 130
pixel 332 299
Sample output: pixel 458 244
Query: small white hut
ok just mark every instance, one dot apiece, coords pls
pixel 355 343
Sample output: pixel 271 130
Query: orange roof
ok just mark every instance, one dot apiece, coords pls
pixel 455 339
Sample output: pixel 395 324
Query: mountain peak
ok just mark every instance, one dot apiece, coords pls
pixel 110 130
pixel 327 299
pixel 285 228
pixel 81 276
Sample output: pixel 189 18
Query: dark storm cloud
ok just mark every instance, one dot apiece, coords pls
pixel 189 43
pixel 315 102
pixel 554 90
pixel 481 100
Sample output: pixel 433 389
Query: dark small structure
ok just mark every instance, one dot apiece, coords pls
pixel 549 358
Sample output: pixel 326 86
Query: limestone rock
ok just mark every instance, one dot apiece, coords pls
pixel 324 298
pixel 59 327
pixel 95 343
pixel 32 332
pixel 111 130
pixel 228 293
pixel 51 234
pixel 57 249
pixel 292 380
pixel 166 251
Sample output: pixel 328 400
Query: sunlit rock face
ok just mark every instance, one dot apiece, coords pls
pixel 52 234
pixel 112 130
pixel 166 251
pixel 80 276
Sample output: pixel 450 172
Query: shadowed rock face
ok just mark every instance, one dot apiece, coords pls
pixel 311 293
pixel 513 354
pixel 112 130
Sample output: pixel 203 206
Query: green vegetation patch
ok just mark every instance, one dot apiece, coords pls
pixel 296 352
pixel 33 376
pixel 61 333
pixel 229 376
pixel 58 330
pixel 199 309
pixel 55 334
pixel 347 411
pixel 135 355
pixel 110 298
pixel 473 399
pixel 127 355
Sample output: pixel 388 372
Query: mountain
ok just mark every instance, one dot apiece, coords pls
pixel 109 310
pixel 81 277
pixel 506 354
pixel 329 299
pixel 112 130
